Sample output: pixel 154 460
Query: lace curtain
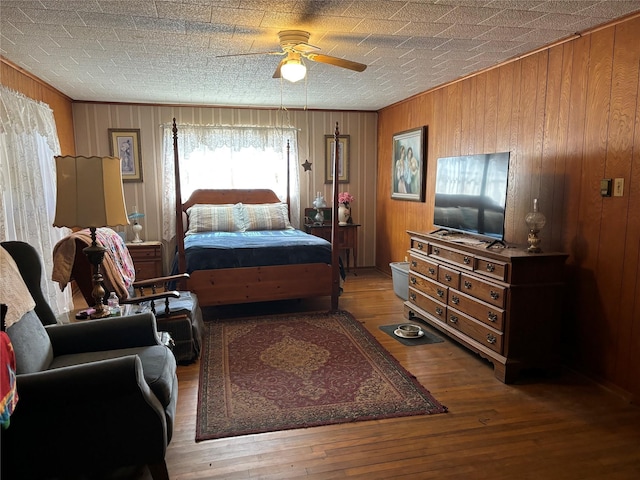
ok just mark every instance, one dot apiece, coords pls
pixel 28 143
pixel 199 147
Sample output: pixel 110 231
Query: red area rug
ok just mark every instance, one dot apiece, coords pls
pixel 263 374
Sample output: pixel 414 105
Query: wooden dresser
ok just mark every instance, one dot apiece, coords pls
pixel 147 259
pixel 503 303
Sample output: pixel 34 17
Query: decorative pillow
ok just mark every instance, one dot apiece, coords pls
pixel 215 218
pixel 266 216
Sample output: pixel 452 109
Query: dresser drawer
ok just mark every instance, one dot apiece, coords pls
pixel 487 336
pixel 428 287
pixel 461 259
pixel 145 252
pixel 477 309
pixel 487 291
pixel 424 266
pixel 419 245
pixel 491 268
pixel 448 276
pixel 428 304
pixel 145 270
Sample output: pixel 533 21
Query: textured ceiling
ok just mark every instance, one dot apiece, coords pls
pixel 168 52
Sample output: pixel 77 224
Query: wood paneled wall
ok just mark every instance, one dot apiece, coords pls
pixel 21 81
pixel 92 121
pixel 570 116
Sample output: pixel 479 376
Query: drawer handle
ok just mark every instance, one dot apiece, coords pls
pixel 447 277
pixel 413 280
pixel 455 300
pixel 439 311
pixel 420 245
pixel 491 339
pixel 412 296
pixel 453 319
pixel 436 251
pixel 466 260
pixel 414 263
pixel 432 270
pixel 467 284
pixel 494 295
pixel 490 267
pixel 492 317
pixel 440 293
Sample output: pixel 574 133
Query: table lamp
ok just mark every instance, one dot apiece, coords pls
pixel 90 195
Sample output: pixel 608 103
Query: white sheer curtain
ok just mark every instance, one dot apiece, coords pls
pixel 229 157
pixel 28 143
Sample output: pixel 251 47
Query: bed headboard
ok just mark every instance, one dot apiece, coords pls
pixel 230 196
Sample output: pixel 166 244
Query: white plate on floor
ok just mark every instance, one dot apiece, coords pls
pixel 401 334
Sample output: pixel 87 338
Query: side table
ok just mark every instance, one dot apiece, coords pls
pixel 347 238
pixel 147 259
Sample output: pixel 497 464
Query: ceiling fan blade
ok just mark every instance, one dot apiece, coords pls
pixel 276 74
pixel 252 53
pixel 304 48
pixel 338 62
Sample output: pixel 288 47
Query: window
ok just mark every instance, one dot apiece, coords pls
pixel 229 157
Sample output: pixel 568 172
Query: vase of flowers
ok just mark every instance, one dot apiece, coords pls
pixel 344 207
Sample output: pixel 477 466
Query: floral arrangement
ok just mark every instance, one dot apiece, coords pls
pixel 346 198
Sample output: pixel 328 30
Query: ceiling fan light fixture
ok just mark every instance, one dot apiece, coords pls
pixel 293 70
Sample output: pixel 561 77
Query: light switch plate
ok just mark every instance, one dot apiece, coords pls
pixel 605 187
pixel 618 187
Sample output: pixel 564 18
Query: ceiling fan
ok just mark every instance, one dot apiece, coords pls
pixel 295 47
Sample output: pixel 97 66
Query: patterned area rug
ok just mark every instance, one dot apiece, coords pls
pixel 279 372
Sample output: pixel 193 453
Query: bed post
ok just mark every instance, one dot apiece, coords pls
pixel 335 273
pixel 182 262
pixel 289 179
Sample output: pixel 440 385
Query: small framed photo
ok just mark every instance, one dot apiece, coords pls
pixel 408 165
pixel 343 158
pixel 125 144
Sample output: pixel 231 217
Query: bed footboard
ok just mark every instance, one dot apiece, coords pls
pixel 259 284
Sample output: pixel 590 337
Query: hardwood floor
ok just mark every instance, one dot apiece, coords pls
pixel 563 427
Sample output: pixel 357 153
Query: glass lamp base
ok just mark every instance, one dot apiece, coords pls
pixel 137 228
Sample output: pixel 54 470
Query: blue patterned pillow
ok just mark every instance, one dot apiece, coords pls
pixel 266 216
pixel 215 218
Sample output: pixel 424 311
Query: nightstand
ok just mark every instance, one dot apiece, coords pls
pixel 347 238
pixel 147 259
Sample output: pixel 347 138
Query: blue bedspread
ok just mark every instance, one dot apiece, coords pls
pixel 211 250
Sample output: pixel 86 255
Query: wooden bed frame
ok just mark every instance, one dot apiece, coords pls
pixel 254 284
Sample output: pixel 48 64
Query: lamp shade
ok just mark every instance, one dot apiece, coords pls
pixel 89 192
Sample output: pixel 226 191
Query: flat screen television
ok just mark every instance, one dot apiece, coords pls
pixel 471 194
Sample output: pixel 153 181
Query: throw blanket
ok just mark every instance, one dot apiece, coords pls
pixel 13 291
pixel 8 392
pixel 117 264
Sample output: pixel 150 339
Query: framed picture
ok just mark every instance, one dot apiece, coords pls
pixel 125 143
pixel 343 158
pixel 408 165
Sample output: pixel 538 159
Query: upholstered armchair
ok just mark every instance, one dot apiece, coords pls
pixel 177 312
pixel 94 396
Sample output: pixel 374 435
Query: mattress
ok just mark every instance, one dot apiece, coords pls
pixel 213 250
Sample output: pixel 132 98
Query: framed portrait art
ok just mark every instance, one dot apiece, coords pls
pixel 343 158
pixel 408 165
pixel 125 144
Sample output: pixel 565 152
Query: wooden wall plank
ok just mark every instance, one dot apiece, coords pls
pixel 596 328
